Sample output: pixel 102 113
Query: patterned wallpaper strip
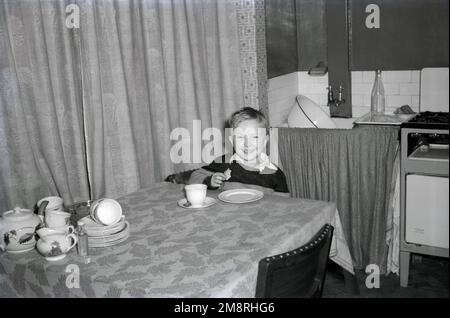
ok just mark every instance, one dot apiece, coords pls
pixel 251 26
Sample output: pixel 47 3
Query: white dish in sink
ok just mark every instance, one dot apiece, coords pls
pixel 307 114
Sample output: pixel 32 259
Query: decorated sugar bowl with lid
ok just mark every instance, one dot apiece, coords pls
pixel 17 230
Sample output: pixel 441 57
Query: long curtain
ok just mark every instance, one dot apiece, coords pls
pixel 149 67
pixel 87 112
pixel 353 168
pixel 41 131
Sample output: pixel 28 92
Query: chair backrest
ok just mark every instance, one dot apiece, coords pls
pixel 298 273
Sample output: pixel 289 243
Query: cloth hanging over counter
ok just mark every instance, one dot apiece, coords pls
pixel 353 168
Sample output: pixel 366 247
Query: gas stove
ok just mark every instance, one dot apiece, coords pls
pixel 428 120
pixel 424 186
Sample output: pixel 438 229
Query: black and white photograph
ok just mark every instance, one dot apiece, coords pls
pixel 224 156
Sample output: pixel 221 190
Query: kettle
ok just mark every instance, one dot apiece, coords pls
pixel 18 230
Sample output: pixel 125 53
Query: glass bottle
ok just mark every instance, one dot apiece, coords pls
pixel 82 239
pixel 378 97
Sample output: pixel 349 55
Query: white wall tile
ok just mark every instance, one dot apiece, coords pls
pixel 361 88
pixel 360 111
pixel 415 102
pixel 367 100
pixel 357 77
pixel 409 88
pixel 279 110
pixel 397 100
pixel 415 76
pixel 323 101
pixel 392 88
pixel 281 81
pixel 305 78
pixel 396 76
pixel 314 97
pixel 368 76
pixel 357 100
pixel 281 93
pixel 312 89
pixel 322 79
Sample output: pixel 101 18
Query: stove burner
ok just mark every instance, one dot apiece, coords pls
pixel 431 117
pixel 429 120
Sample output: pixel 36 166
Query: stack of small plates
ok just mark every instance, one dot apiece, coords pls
pixel 100 235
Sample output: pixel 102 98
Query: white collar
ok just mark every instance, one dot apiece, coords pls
pixel 264 162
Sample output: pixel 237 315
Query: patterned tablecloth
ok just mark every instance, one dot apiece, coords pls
pixel 176 252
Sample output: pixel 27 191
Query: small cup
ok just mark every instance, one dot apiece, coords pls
pixel 57 219
pixel 54 203
pixel 106 211
pixel 196 194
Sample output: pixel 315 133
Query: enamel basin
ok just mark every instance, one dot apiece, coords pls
pixel 308 114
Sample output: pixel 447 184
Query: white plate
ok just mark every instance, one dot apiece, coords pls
pixel 123 239
pixel 106 230
pixel 185 204
pixel 241 195
pixel 112 237
pixel 92 225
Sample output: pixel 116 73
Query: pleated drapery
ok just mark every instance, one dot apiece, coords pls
pixel 87 112
pixel 353 168
pixel 41 125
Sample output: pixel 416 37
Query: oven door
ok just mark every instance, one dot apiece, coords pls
pixel 427 210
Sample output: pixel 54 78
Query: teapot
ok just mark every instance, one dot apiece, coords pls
pixel 18 230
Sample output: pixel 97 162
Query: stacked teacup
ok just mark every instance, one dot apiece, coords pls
pixel 106 225
pixel 56 235
pixel 106 211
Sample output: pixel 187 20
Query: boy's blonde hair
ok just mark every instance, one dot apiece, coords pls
pixel 248 113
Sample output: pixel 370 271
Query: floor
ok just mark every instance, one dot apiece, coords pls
pixel 428 278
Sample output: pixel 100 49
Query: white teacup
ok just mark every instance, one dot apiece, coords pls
pixel 106 211
pixel 54 203
pixel 196 194
pixel 57 219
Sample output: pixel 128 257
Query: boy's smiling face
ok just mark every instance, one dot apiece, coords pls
pixel 250 139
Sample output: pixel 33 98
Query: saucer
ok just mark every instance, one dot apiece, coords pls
pixel 55 258
pixel 208 202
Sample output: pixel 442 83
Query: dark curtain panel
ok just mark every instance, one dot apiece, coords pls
pixel 352 168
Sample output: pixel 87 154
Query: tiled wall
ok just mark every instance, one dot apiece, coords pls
pixel 281 92
pixel 401 87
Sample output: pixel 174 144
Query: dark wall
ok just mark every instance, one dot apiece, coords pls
pixel 296 35
pixel 311 32
pixel 281 37
pixel 413 34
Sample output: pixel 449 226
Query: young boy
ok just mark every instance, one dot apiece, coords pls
pixel 249 164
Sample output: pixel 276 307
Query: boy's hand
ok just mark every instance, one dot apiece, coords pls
pixel 217 179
